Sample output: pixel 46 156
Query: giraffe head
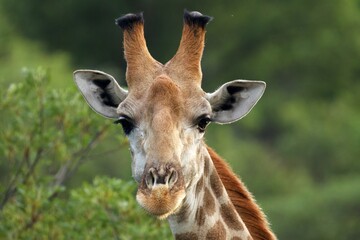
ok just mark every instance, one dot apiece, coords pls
pixel 164 112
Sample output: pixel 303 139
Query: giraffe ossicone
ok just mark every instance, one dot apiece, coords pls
pixel 164 114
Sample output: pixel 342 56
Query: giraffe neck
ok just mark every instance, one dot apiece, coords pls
pixel 207 211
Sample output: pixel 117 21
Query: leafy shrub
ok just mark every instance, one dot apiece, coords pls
pixel 105 209
pixel 46 135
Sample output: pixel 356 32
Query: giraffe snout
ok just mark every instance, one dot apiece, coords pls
pixel 162 189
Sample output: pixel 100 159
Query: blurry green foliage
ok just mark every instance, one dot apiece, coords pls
pixel 17 53
pixel 329 211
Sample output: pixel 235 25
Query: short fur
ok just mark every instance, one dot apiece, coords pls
pixel 242 199
pixel 141 66
pixel 185 65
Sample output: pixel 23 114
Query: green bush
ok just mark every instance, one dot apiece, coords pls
pixel 45 131
pixel 46 135
pixel 105 209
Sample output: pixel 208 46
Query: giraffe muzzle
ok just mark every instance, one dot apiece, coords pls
pixel 161 190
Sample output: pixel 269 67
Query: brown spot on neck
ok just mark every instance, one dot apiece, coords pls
pixel 186 236
pixel 230 217
pixel 209 202
pixel 200 216
pixel 216 185
pixel 206 167
pixel 216 232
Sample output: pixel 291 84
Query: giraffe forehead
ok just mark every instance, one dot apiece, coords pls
pixel 179 99
pixel 165 93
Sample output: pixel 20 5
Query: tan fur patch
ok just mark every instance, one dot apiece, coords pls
pixel 230 217
pixel 165 92
pixel 235 238
pixel 209 202
pixel 216 232
pixel 186 236
pixel 141 66
pixel 186 62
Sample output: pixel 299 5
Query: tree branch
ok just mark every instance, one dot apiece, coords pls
pixel 71 166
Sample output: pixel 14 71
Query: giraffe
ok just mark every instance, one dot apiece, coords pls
pixel 164 114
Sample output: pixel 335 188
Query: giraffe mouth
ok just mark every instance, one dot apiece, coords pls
pixel 162 189
pixel 161 201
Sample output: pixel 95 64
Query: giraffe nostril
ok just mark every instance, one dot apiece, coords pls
pixel 173 177
pixel 150 178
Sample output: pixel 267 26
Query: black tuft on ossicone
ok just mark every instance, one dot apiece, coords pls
pixel 127 21
pixel 196 18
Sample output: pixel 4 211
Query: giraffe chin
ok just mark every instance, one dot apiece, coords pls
pixel 160 201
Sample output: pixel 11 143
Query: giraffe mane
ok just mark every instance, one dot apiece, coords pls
pixel 245 205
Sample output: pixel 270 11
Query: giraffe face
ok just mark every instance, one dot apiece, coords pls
pixel 165 127
pixel 165 123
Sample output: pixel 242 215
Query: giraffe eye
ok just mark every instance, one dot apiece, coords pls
pixel 126 123
pixel 203 122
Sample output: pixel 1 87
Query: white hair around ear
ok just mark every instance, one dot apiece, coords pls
pixel 101 91
pixel 233 100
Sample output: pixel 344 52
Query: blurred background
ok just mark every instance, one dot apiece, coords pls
pixel 298 151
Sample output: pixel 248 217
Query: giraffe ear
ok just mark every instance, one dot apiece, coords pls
pixel 101 91
pixel 233 100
